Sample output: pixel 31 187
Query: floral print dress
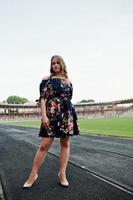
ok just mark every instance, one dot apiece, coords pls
pixel 61 113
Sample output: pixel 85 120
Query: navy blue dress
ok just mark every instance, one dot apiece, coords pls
pixel 61 113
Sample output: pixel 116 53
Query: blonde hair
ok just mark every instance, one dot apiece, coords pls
pixel 62 64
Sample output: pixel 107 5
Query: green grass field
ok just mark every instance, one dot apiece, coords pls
pixel 122 127
pixel 109 126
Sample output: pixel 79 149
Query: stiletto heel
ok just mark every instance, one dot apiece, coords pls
pixel 29 185
pixel 62 184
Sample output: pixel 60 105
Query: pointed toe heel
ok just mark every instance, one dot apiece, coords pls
pixel 29 185
pixel 61 183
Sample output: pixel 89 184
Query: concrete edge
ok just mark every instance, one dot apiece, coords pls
pixel 2 197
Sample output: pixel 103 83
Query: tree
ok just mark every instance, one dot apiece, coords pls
pixel 83 101
pixel 90 101
pixel 87 101
pixel 16 100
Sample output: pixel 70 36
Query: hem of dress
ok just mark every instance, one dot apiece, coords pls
pixel 55 136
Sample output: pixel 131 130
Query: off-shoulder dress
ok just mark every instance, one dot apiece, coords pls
pixel 60 111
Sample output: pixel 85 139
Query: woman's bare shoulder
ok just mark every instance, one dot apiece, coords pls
pixel 45 78
pixel 69 81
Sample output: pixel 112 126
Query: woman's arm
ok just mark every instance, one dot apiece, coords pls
pixel 44 119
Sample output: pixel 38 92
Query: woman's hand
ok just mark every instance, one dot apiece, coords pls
pixel 45 121
pixel 70 125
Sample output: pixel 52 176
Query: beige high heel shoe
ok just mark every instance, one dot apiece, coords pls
pixel 29 185
pixel 63 184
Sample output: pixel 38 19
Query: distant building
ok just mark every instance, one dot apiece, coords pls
pixel 84 110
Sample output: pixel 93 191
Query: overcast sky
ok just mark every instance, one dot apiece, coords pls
pixel 95 38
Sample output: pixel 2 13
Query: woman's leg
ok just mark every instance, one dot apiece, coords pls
pixel 64 157
pixel 39 157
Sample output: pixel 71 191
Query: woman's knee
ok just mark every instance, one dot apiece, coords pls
pixel 44 147
pixel 65 143
pixel 45 144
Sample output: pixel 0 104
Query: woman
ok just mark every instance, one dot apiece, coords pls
pixel 58 119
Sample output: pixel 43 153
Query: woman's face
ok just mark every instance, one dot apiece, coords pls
pixel 56 67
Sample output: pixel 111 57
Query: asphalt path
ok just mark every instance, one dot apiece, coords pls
pixel 103 165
